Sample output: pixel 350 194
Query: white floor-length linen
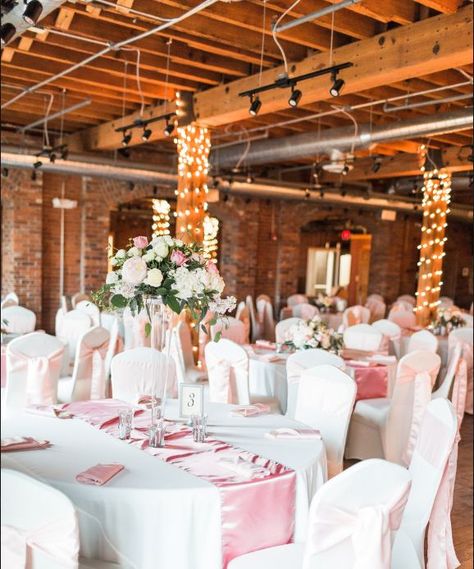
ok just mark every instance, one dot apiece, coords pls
pixel 156 514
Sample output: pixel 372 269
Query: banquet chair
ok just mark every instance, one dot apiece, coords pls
pixel 283 326
pixel 325 400
pixel 11 299
pixel 404 318
pixel 42 520
pixel 78 297
pixel 230 328
pixel 73 325
pixel 33 369
pixel 353 521
pixel 19 319
pixel 65 303
pixel 423 340
pixel 387 428
pixel 392 332
pixel 305 311
pixel 376 296
pixel 445 302
pixel 444 390
pixel 115 344
pixel 355 315
pixel 182 351
pixel 402 306
pixel 88 379
pixel 407 298
pixel 301 361
pixel 432 469
pixel 265 319
pixel 376 308
pixel 91 309
pixel 243 315
pixel 255 328
pixel 228 372
pixel 295 299
pixel 464 337
pixel 265 297
pixel 142 371
pixel 362 337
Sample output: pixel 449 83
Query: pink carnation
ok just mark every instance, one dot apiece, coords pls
pixel 178 258
pixel 140 242
pixel 212 268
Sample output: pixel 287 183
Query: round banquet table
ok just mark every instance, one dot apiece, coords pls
pixel 154 513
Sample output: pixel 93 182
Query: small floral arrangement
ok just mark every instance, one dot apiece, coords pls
pixel 325 302
pixel 166 268
pixel 449 319
pixel 314 334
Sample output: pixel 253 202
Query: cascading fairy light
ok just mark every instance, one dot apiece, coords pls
pixel 210 242
pixel 436 199
pixel 161 218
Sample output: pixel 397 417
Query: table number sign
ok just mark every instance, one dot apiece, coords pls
pixel 191 400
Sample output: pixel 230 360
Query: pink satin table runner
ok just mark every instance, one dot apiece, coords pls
pixel 257 494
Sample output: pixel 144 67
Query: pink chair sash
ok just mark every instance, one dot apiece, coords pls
pixel 96 355
pixel 58 540
pixel 421 398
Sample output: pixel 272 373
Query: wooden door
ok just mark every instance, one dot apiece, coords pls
pixel 360 266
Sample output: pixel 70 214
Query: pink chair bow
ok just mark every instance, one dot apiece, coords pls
pixel 58 540
pixel 97 357
pixel 421 398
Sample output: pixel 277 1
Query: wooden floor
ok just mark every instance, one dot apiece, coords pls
pixel 462 509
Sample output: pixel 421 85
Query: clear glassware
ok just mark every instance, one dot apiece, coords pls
pixel 199 426
pixel 125 423
pixel 157 434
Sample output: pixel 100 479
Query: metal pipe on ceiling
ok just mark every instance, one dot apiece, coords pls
pixel 410 106
pixel 60 113
pixel 308 144
pixel 315 15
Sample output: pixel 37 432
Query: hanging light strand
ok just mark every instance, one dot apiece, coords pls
pixel 210 241
pixel 161 218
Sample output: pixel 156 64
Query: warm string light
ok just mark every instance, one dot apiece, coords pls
pixel 161 218
pixel 210 241
pixel 435 204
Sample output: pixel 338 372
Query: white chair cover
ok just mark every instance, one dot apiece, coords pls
pixel 78 297
pixel 243 315
pixel 463 337
pixel 33 368
pixel 265 297
pixel 134 330
pixel 142 371
pixel 266 321
pixel 444 390
pixel 445 302
pixel 362 337
pixel 182 352
pixel 39 525
pixel 305 311
pixel 88 379
pixel 392 332
pixel 301 361
pixel 115 345
pixel 19 319
pixel 10 300
pixel 468 319
pixel 376 296
pixel 91 309
pixel 74 324
pixel 255 328
pixel 377 309
pixel 295 299
pixel 403 318
pixel 423 340
pixel 407 298
pixel 282 328
pixel 325 400
pixel 355 315
pixel 402 306
pixel 232 329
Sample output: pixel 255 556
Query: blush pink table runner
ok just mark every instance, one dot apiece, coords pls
pixel 257 494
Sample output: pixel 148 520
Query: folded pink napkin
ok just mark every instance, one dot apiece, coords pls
pixel 148 400
pixel 251 410
pixel 286 433
pixel 49 411
pixel 265 344
pixel 99 474
pixel 22 443
pixel 271 358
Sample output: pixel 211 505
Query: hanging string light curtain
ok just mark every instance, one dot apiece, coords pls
pixel 161 218
pixel 210 242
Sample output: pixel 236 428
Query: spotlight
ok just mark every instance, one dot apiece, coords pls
pixel 8 31
pixel 52 157
pixel 345 170
pixel 64 153
pixel 321 194
pixel 125 152
pixel 255 104
pixel 376 165
pixel 131 186
pixel 5 172
pixel 337 85
pixel 127 137
pixel 168 128
pixel 249 179
pixel 146 134
pixel 307 194
pixel 343 193
pixel 37 164
pixel 295 97
pixel 33 176
pixel 32 12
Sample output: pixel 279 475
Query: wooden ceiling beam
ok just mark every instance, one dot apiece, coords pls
pixel 444 6
pixel 399 11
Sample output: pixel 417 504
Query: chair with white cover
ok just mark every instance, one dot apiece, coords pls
pixel 10 300
pixel 142 371
pixel 392 332
pixel 463 337
pixel 433 470
pixel 305 311
pixel 91 309
pixel 388 428
pixel 255 329
pixel 355 315
pixel 295 299
pixel 444 390
pixel 404 318
pixel 182 349
pixel 115 344
pixel 423 340
pixel 39 526
pixel 264 297
pixel 376 296
pixel 353 521
pixel 230 328
pixel 362 337
pixel 377 309
pixel 401 305
pixel 228 371
pixel 74 324
pixel 300 361
pixel 33 369
pixel 325 401
pixel 283 326
pixel 243 314
pixel 19 319
pixel 78 297
pixel 445 302
pixel 88 380
pixel 265 318
pixel 407 298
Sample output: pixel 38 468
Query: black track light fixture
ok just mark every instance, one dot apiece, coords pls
pixel 376 164
pixel 52 157
pixel 65 153
pixel 8 31
pixel 345 170
pixel 127 137
pixel 168 128
pixel 255 104
pixel 32 12
pixel 295 97
pixel 337 85
pixel 5 172
pixel 146 134
pixel 33 176
pixel 37 164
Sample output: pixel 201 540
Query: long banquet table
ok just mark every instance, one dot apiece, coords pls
pixel 153 513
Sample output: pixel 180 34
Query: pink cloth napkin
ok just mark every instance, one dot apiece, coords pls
pixel 49 411
pixel 251 410
pixel 99 474
pixel 23 443
pixel 265 344
pixel 285 433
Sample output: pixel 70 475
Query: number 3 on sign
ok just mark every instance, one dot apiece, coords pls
pixel 191 401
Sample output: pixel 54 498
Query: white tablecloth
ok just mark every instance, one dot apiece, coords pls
pixel 157 515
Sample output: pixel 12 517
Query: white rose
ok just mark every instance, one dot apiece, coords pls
pixel 149 256
pixel 112 278
pixel 113 261
pixel 134 270
pixel 178 242
pixel 134 252
pixel 121 254
pixel 161 249
pixel 168 240
pixel 154 277
pixel 184 283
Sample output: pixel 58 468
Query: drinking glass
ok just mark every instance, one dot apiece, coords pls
pixel 199 425
pixel 157 434
pixel 125 423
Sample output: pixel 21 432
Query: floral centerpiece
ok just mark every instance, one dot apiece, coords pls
pixel 325 303
pixel 447 319
pixel 314 334
pixel 165 269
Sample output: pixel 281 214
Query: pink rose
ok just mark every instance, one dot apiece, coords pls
pixel 212 268
pixel 178 258
pixel 140 242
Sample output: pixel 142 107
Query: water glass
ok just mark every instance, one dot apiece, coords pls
pixel 199 425
pixel 157 434
pixel 125 423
